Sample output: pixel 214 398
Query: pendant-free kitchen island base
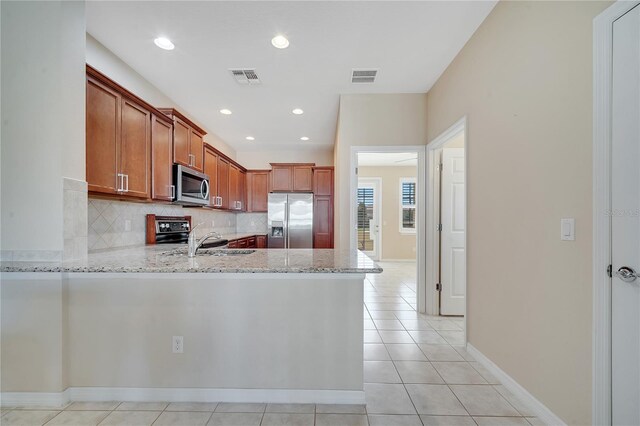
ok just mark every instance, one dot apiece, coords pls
pixel 247 337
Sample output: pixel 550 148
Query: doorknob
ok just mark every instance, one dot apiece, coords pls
pixel 626 274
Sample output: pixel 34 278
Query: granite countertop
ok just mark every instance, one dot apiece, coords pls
pixel 172 258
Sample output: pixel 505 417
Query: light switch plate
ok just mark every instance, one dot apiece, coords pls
pixel 568 229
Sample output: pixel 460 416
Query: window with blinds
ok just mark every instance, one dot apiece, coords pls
pixel 408 205
pixel 365 214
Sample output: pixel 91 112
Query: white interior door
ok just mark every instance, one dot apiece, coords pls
pixel 369 217
pixel 453 254
pixel 625 220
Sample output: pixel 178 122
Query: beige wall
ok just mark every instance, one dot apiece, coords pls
pixel 395 245
pixel 524 80
pixel 372 120
pixel 260 158
pixel 115 68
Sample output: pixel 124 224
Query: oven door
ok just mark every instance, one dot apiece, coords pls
pixel 192 187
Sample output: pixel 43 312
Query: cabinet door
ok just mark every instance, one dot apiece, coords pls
pixel 323 222
pixel 251 242
pixel 211 170
pixel 135 149
pixel 244 243
pixel 257 191
pixel 233 244
pixel 261 241
pixel 242 190
pixel 197 150
pixel 302 179
pixel 223 182
pixel 181 148
pixel 323 182
pixel 161 160
pixel 234 184
pixel 281 179
pixel 103 133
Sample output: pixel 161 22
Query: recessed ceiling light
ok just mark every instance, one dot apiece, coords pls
pixel 250 138
pixel 164 43
pixel 280 42
pixel 304 138
pixel 225 111
pixel 297 111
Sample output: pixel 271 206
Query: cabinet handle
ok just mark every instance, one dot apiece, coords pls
pixel 173 192
pixel 220 202
pixel 127 177
pixel 119 182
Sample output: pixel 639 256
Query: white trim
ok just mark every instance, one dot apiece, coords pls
pixel 377 184
pixel 432 254
pixel 421 228
pixel 602 81
pixel 538 408
pixel 291 396
pixel 401 206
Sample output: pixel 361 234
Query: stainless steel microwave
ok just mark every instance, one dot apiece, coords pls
pixel 191 186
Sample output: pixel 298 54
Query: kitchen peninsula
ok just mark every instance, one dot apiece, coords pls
pixel 150 324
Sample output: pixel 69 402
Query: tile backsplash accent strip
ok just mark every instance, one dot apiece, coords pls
pixel 115 224
pixel 252 222
pixel 75 226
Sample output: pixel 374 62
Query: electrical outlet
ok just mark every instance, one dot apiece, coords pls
pixel 127 225
pixel 178 344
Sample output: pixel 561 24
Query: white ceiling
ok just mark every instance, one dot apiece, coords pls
pixel 397 159
pixel 411 43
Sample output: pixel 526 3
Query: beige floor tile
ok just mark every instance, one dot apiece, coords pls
pixel 182 418
pixel 501 421
pixel 27 417
pixel 440 352
pixel 417 372
pixel 463 352
pixel 408 315
pixel 380 372
pixel 291 408
pixel 394 420
pixel 341 408
pixel 522 408
pixel 415 324
pixel 483 400
pixel 387 399
pixel 427 336
pixel 452 337
pixel 341 420
pixel 448 421
pixel 93 406
pixel 375 352
pixel 130 418
pixel 388 324
pixel 405 352
pixel 534 421
pixel 372 336
pixel 235 419
pixel 230 407
pixel 382 315
pixel 444 325
pixel 142 406
pixel 435 400
pixel 288 419
pixel 459 373
pixel 192 406
pixel 488 376
pixel 78 418
pixel 395 336
pixel 369 324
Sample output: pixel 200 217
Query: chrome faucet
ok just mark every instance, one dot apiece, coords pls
pixel 195 243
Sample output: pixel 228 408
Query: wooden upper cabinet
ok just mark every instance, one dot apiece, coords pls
pixel 291 177
pixel 188 140
pixel 242 191
pixel 303 178
pixel 223 183
pixel 135 149
pixel 211 170
pixel 161 159
pixel 323 181
pixel 234 187
pixel 257 193
pixel 102 137
pixel 181 150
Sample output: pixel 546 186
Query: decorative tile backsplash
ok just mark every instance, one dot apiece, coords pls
pixel 252 222
pixel 120 224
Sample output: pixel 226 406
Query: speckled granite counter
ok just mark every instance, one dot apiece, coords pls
pixel 173 259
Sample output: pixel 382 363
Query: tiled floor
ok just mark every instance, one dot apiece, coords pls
pixel 416 373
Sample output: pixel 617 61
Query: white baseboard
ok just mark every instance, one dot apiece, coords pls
pixel 291 396
pixel 538 408
pixel 398 260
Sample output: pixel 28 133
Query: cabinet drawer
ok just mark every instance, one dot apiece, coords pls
pixel 233 244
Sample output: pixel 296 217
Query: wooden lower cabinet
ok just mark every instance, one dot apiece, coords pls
pixel 261 241
pixel 256 241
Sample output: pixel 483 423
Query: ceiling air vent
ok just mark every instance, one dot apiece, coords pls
pixel 245 75
pixel 363 76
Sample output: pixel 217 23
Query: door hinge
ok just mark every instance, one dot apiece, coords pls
pixel 356 171
pixel 438 287
pixel 440 168
pixel 439 227
pixel 610 271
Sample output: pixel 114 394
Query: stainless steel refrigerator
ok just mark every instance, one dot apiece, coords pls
pixel 290 220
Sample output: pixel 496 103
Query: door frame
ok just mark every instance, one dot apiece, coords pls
pixel 420 224
pixel 377 202
pixel 433 213
pixel 602 97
